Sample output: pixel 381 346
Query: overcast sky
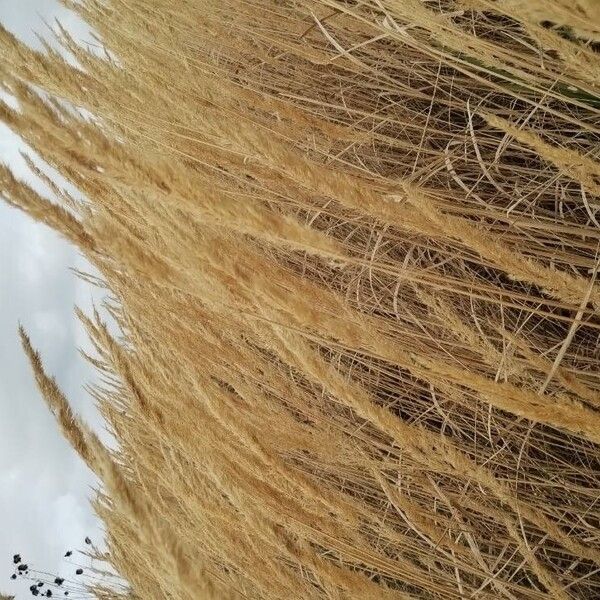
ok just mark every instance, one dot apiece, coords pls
pixel 44 486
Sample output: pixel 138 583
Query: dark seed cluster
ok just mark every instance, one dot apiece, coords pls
pixel 45 584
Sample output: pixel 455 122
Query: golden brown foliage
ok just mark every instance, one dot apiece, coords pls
pixel 354 250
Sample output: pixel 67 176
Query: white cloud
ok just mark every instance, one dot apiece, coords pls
pixel 44 487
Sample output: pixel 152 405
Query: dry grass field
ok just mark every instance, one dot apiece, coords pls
pixel 353 249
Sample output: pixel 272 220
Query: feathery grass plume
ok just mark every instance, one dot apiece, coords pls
pixel 192 577
pixel 352 250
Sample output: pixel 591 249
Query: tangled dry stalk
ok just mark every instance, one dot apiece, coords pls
pixel 354 251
